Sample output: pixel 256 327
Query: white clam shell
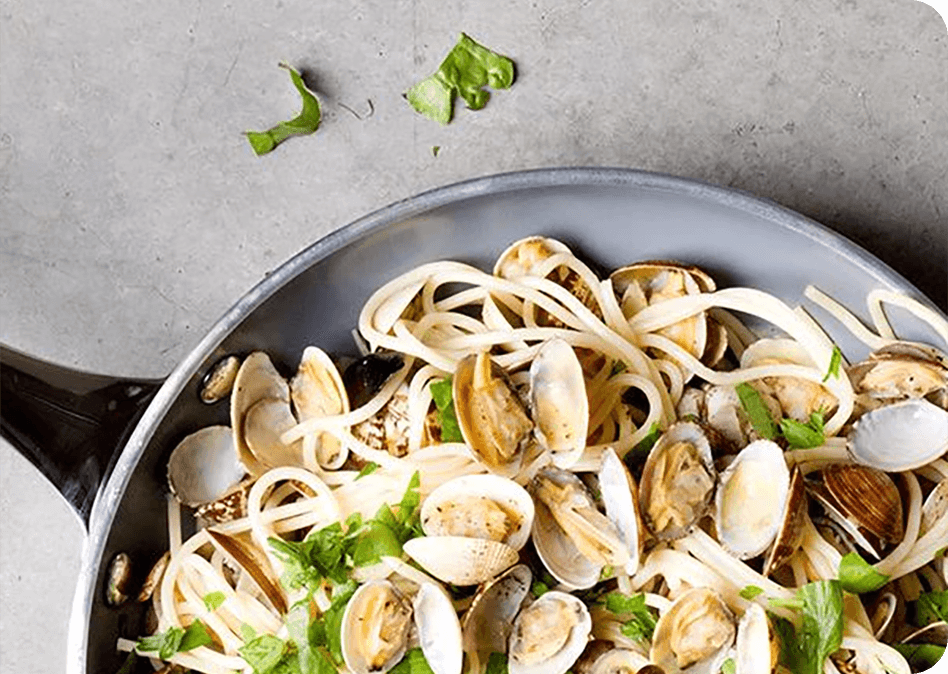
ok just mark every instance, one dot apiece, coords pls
pixel 620 497
pixel 754 652
pixel 699 608
pixel 880 438
pixel 439 630
pixel 263 423
pixel 558 402
pixel 502 492
pixel 356 628
pixel 256 379
pixel 557 603
pixel 317 391
pixel 204 467
pixel 618 661
pixel 560 555
pixel 488 622
pixel 520 257
pixel 751 497
pixel 461 561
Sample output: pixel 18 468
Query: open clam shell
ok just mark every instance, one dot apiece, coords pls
pixel 549 635
pixel 620 498
pixel 204 466
pixel 480 506
pixel 757 648
pixel 618 661
pixel 560 555
pixel 439 630
pixel 521 257
pixel 558 402
pixel 751 499
pixel 677 483
pixel 694 634
pixel 488 622
pixel 790 534
pixel 459 560
pixel 879 438
pixel 375 628
pixel 492 418
pixel 317 391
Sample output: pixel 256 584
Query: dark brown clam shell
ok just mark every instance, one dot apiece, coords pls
pixel 868 498
pixel 790 534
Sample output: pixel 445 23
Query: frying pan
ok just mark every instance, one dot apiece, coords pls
pixel 104 443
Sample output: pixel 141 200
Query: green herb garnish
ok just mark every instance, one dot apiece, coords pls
pixel 414 662
pixel 856 575
pixel 820 605
pixel 756 411
pixel 213 600
pixel 175 640
pixel 931 607
pixel 306 122
pixel 921 657
pixel 644 446
pixel 467 69
pixel 729 666
pixel 803 436
pixel 264 653
pixel 538 588
pixel 435 149
pixel 367 469
pixel 496 664
pixel 751 592
pixel 835 360
pixel 640 623
pixel 441 394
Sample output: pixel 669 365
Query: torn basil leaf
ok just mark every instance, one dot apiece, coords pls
pixel 497 664
pixel 858 576
pixel 756 411
pixel 414 662
pixel 467 69
pixel 306 122
pixel 751 592
pixel 921 657
pixel 640 623
pixel 213 600
pixel 835 360
pixel 442 396
pixel 931 607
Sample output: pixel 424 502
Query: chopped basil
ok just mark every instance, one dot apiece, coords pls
pixel 835 360
pixel 414 662
pixel 435 149
pixel 264 653
pixel 441 394
pixel 640 623
pixel 175 640
pixel 129 665
pixel 644 446
pixel 756 411
pixel 247 633
pixel 213 600
pixel 467 69
pixel 921 657
pixel 539 588
pixel 820 604
pixel 856 575
pixel 729 666
pixel 368 469
pixel 306 122
pixel 931 607
pixel 751 592
pixel 496 664
pixel 804 436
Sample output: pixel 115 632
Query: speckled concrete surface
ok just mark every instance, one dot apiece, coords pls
pixel 133 213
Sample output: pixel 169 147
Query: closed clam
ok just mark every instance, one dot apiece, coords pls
pixel 694 634
pixel 879 439
pixel 751 499
pixel 677 483
pixel 558 402
pixel 219 380
pixel 491 415
pixel 549 635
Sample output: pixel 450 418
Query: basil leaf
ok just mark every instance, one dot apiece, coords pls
pixel 821 631
pixel 164 643
pixel 264 653
pixel 729 666
pixel 414 662
pixel 128 666
pixel 465 71
pixel 194 636
pixel 247 633
pixel 756 411
pixel 641 624
pixel 800 435
pixel 368 469
pixel 644 446
pixel 213 600
pixel 921 657
pixel 931 607
pixel 306 122
pixel 856 575
pixel 441 394
pixel 376 541
pixel 332 619
pixel 835 360
pixel 497 664
pixel 538 589
pixel 751 592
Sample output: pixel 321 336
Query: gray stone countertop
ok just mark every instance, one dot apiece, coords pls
pixel 133 212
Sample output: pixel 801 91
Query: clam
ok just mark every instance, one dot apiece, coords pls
pixel 219 381
pixel 620 498
pixel 479 506
pixel 865 502
pixel 790 533
pixel 204 467
pixel 558 402
pixel 363 378
pixel 488 622
pixel 617 661
pixel 549 635
pixel 317 391
pixel 934 507
pixel 901 436
pixel 901 370
pixel 560 555
pixel 375 627
pixel 154 577
pixel 646 283
pixel 694 634
pixel 259 413
pixel 439 630
pixel 569 503
pixel 751 499
pixel 119 580
pixel 757 648
pixel 677 482
pixel 492 418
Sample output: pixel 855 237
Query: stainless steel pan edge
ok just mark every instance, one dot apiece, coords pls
pixel 109 496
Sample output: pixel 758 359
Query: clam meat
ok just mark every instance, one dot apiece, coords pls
pixel 549 635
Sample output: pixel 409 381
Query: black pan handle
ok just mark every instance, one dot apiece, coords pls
pixel 71 425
